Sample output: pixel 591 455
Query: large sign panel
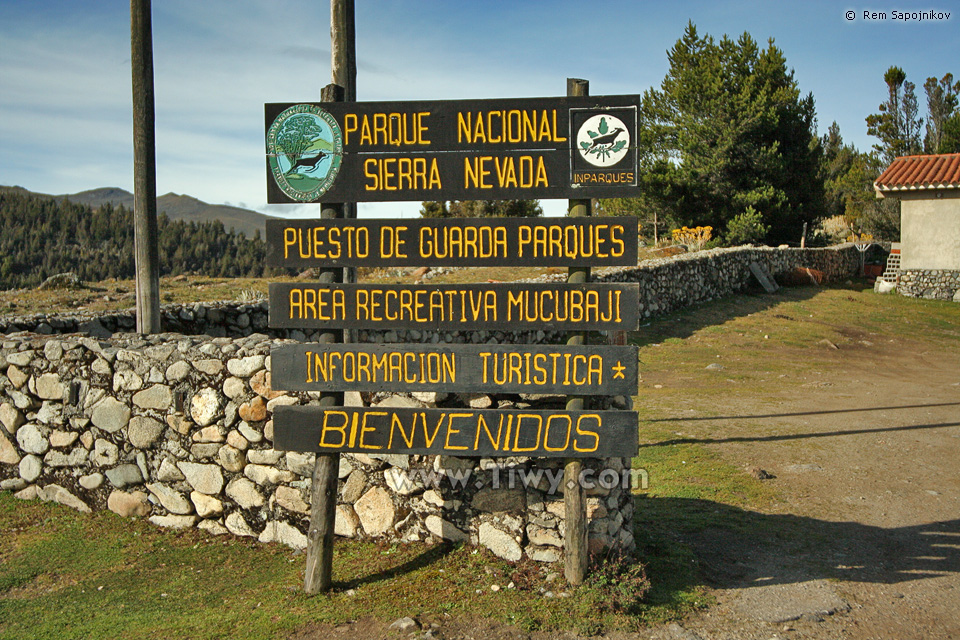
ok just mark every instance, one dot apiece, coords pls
pixel 457 432
pixel 529 148
pixel 465 242
pixel 593 370
pixel 456 307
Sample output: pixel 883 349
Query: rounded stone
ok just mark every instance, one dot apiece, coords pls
pixel 143 431
pixel 205 407
pixel 30 468
pixel 32 438
pixel 128 505
pixel 158 397
pixel 110 414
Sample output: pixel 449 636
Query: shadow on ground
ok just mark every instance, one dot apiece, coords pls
pixel 735 548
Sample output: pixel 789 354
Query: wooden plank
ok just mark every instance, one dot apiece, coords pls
pixel 456 307
pixel 452 150
pixel 594 370
pixel 763 276
pixel 458 432
pixel 463 242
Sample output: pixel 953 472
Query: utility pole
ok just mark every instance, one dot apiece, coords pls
pixel 146 246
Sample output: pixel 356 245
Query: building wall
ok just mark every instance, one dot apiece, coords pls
pixel 930 230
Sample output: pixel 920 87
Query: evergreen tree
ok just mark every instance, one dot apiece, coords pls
pixel 728 129
pixel 942 97
pixel 897 126
pixel 481 209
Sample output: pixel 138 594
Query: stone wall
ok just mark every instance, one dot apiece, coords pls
pixel 177 427
pixel 933 284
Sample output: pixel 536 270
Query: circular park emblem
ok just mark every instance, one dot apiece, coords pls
pixel 304 150
pixel 603 140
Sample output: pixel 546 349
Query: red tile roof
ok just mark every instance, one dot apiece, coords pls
pixel 921 172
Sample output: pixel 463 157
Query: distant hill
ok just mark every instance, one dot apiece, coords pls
pixel 177 207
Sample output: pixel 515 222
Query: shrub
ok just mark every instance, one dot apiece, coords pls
pixel 747 228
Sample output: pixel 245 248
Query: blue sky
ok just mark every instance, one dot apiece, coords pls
pixel 65 97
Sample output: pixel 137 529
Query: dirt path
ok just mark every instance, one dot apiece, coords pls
pixel 866 462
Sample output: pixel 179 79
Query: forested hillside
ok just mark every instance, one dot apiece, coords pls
pixel 40 237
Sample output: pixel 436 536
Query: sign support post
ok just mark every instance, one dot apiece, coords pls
pixel 575 555
pixel 323 488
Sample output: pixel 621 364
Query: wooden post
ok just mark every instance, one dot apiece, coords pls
pixel 323 492
pixel 343 71
pixel 146 246
pixel 575 552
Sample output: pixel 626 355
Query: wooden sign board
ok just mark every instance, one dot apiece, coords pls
pixel 463 242
pixel 455 307
pixel 456 432
pixel 529 148
pixel 593 370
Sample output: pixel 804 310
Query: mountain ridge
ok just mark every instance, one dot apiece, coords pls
pixel 176 206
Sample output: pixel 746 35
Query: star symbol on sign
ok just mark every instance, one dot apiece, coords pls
pixel 618 370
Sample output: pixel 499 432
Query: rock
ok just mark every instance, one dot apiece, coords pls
pixel 11 418
pixel 245 367
pixel 17 377
pixel 406 625
pixel 234 388
pixel 30 468
pixel 253 411
pixel 432 496
pixel 250 433
pixel 237 441
pixel 264 475
pixel 231 458
pixel 346 521
pixel 264 456
pixel 291 499
pixel 177 371
pixel 205 407
pixel 716 366
pixel 49 387
pixel 205 478
pixel 124 475
pixel 400 460
pixel 260 383
pixel 105 453
pixel 213 527
pixel 168 471
pixel 30 493
pixel 244 493
pixel 63 439
pixel 128 505
pixel 91 481
pixel 760 474
pixel 158 397
pixel 143 431
pixel 8 452
pixel 544 537
pixel 21 358
pixel 445 530
pixel 127 380
pixel 58 459
pixel 399 482
pixel 209 366
pixel 174 522
pixel 500 543
pixel 544 554
pixel 283 533
pixel 110 414
pixel 376 511
pixel 207 506
pixel 238 526
pixel 500 500
pixel 32 438
pixel 280 401
pixel 353 487
pixel 170 499
pixel 12 484
pixel 56 493
pixel 208 434
pixel 882 286
pixel 50 413
pixel 302 463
